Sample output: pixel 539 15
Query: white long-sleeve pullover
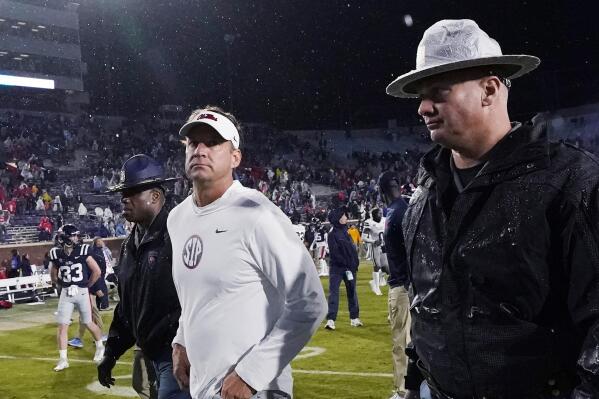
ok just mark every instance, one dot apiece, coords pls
pixel 248 288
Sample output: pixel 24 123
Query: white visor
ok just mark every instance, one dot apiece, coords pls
pixel 218 122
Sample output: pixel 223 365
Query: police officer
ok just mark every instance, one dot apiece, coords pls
pixel 148 312
pixel 501 234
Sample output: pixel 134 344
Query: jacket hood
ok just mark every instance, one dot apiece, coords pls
pixel 335 215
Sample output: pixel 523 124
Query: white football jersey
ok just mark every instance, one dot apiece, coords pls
pixel 300 230
pixel 373 231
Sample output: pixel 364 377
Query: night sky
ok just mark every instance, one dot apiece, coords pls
pixel 317 64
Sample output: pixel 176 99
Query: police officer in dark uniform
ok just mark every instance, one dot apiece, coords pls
pixel 148 312
pixel 501 234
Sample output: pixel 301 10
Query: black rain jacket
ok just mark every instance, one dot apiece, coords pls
pixel 148 311
pixel 342 253
pixel 505 282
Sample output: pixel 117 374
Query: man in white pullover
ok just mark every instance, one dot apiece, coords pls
pixel 249 293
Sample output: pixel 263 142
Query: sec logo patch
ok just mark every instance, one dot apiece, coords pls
pixel 192 252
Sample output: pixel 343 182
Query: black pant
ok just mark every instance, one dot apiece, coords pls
pixel 335 277
pixel 100 285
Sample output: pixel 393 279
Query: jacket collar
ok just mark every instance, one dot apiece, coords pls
pixel 154 231
pixel 524 150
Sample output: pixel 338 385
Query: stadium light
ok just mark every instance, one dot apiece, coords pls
pixel 8 80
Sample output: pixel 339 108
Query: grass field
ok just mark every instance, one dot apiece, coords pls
pixel 355 363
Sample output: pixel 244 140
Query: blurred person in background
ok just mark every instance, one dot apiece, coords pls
pixel 398 300
pixel 344 264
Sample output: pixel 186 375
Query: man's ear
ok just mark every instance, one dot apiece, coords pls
pixel 235 158
pixel 491 86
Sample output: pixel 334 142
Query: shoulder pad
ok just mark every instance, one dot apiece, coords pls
pixel 54 253
pixel 84 250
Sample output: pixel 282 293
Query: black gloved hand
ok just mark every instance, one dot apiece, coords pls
pixel 105 371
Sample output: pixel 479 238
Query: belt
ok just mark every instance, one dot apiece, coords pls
pixel 553 390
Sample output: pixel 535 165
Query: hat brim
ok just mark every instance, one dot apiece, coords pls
pixel 405 85
pixel 225 128
pixel 186 128
pixel 145 183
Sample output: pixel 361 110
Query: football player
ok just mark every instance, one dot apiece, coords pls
pixel 373 236
pixel 309 237
pixel 321 246
pixel 299 228
pixel 73 267
pixel 94 293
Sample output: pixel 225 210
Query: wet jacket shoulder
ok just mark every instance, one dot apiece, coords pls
pixel 342 252
pixel 149 310
pixel 505 274
pixel 576 216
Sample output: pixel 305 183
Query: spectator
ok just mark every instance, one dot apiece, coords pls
pixel 57 204
pixel 25 266
pixel 15 264
pixel 68 196
pixel 58 221
pixel 4 223
pixel 178 188
pixel 46 261
pixel 81 210
pixel 120 230
pixel 39 205
pixel 97 183
pixel 47 199
pixel 45 229
pixel 103 231
pixel 107 214
pixel 11 206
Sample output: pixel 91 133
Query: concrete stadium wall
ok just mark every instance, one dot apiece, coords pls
pixel 37 250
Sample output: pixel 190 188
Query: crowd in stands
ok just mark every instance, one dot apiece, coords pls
pixel 38 152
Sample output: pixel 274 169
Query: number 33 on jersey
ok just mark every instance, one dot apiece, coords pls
pixel 72 268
